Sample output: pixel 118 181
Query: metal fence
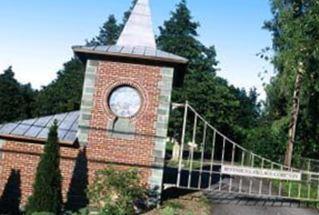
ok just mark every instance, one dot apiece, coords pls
pixel 209 160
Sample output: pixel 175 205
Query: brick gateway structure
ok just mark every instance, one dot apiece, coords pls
pixel 123 118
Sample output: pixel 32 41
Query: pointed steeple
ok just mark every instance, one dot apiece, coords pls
pixel 138 31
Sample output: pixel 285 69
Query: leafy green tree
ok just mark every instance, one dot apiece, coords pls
pixel 292 95
pixel 220 103
pixel 47 196
pixel 63 94
pixel 15 98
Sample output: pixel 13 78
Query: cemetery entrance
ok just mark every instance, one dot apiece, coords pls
pixel 210 161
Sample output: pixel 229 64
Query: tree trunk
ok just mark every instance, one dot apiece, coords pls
pixel 294 115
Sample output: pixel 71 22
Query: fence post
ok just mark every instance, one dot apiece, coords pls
pixel 182 145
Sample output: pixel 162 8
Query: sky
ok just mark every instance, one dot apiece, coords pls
pixel 37 35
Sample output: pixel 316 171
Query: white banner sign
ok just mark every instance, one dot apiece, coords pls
pixel 260 173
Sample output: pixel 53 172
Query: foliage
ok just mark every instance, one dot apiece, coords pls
pixel 115 192
pixel 267 141
pixel 15 98
pixel 47 196
pixel 230 109
pixel 63 94
pixel 295 29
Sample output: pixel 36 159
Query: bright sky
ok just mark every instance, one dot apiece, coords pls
pixel 36 35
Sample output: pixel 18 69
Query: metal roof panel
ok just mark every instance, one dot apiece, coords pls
pixel 39 127
pixel 131 51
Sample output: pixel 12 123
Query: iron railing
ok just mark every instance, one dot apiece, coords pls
pixel 205 151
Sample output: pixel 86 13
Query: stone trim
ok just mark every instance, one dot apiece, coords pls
pixel 2 142
pixel 87 101
pixel 161 126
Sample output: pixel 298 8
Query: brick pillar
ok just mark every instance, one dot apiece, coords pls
pixel 143 142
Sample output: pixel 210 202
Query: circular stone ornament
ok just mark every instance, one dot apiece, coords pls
pixel 125 101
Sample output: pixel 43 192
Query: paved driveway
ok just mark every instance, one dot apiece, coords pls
pixel 222 209
pixel 230 204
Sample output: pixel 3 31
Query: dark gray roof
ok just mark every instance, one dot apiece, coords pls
pixel 126 51
pixel 38 128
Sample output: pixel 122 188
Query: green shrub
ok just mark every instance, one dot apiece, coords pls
pixel 115 192
pixel 47 194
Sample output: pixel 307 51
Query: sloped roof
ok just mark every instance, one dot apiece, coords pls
pixel 38 128
pixel 130 52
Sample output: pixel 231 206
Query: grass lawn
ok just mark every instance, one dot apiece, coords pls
pixel 300 190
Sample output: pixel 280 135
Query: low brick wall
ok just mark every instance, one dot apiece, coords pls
pixel 24 157
pixel 78 170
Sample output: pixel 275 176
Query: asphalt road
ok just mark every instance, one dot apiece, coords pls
pixel 231 209
pixel 230 204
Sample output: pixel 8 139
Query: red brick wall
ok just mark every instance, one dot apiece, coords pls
pixel 25 157
pixel 138 151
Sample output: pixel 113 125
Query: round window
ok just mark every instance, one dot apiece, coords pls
pixel 125 101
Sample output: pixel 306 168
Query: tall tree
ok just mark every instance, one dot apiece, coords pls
pixel 179 36
pixel 15 98
pixel 47 196
pixel 209 94
pixel 295 32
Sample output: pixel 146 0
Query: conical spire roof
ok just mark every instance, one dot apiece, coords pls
pixel 138 31
pixel 137 41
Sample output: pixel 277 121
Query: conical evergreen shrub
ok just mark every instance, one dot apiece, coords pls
pixel 47 196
